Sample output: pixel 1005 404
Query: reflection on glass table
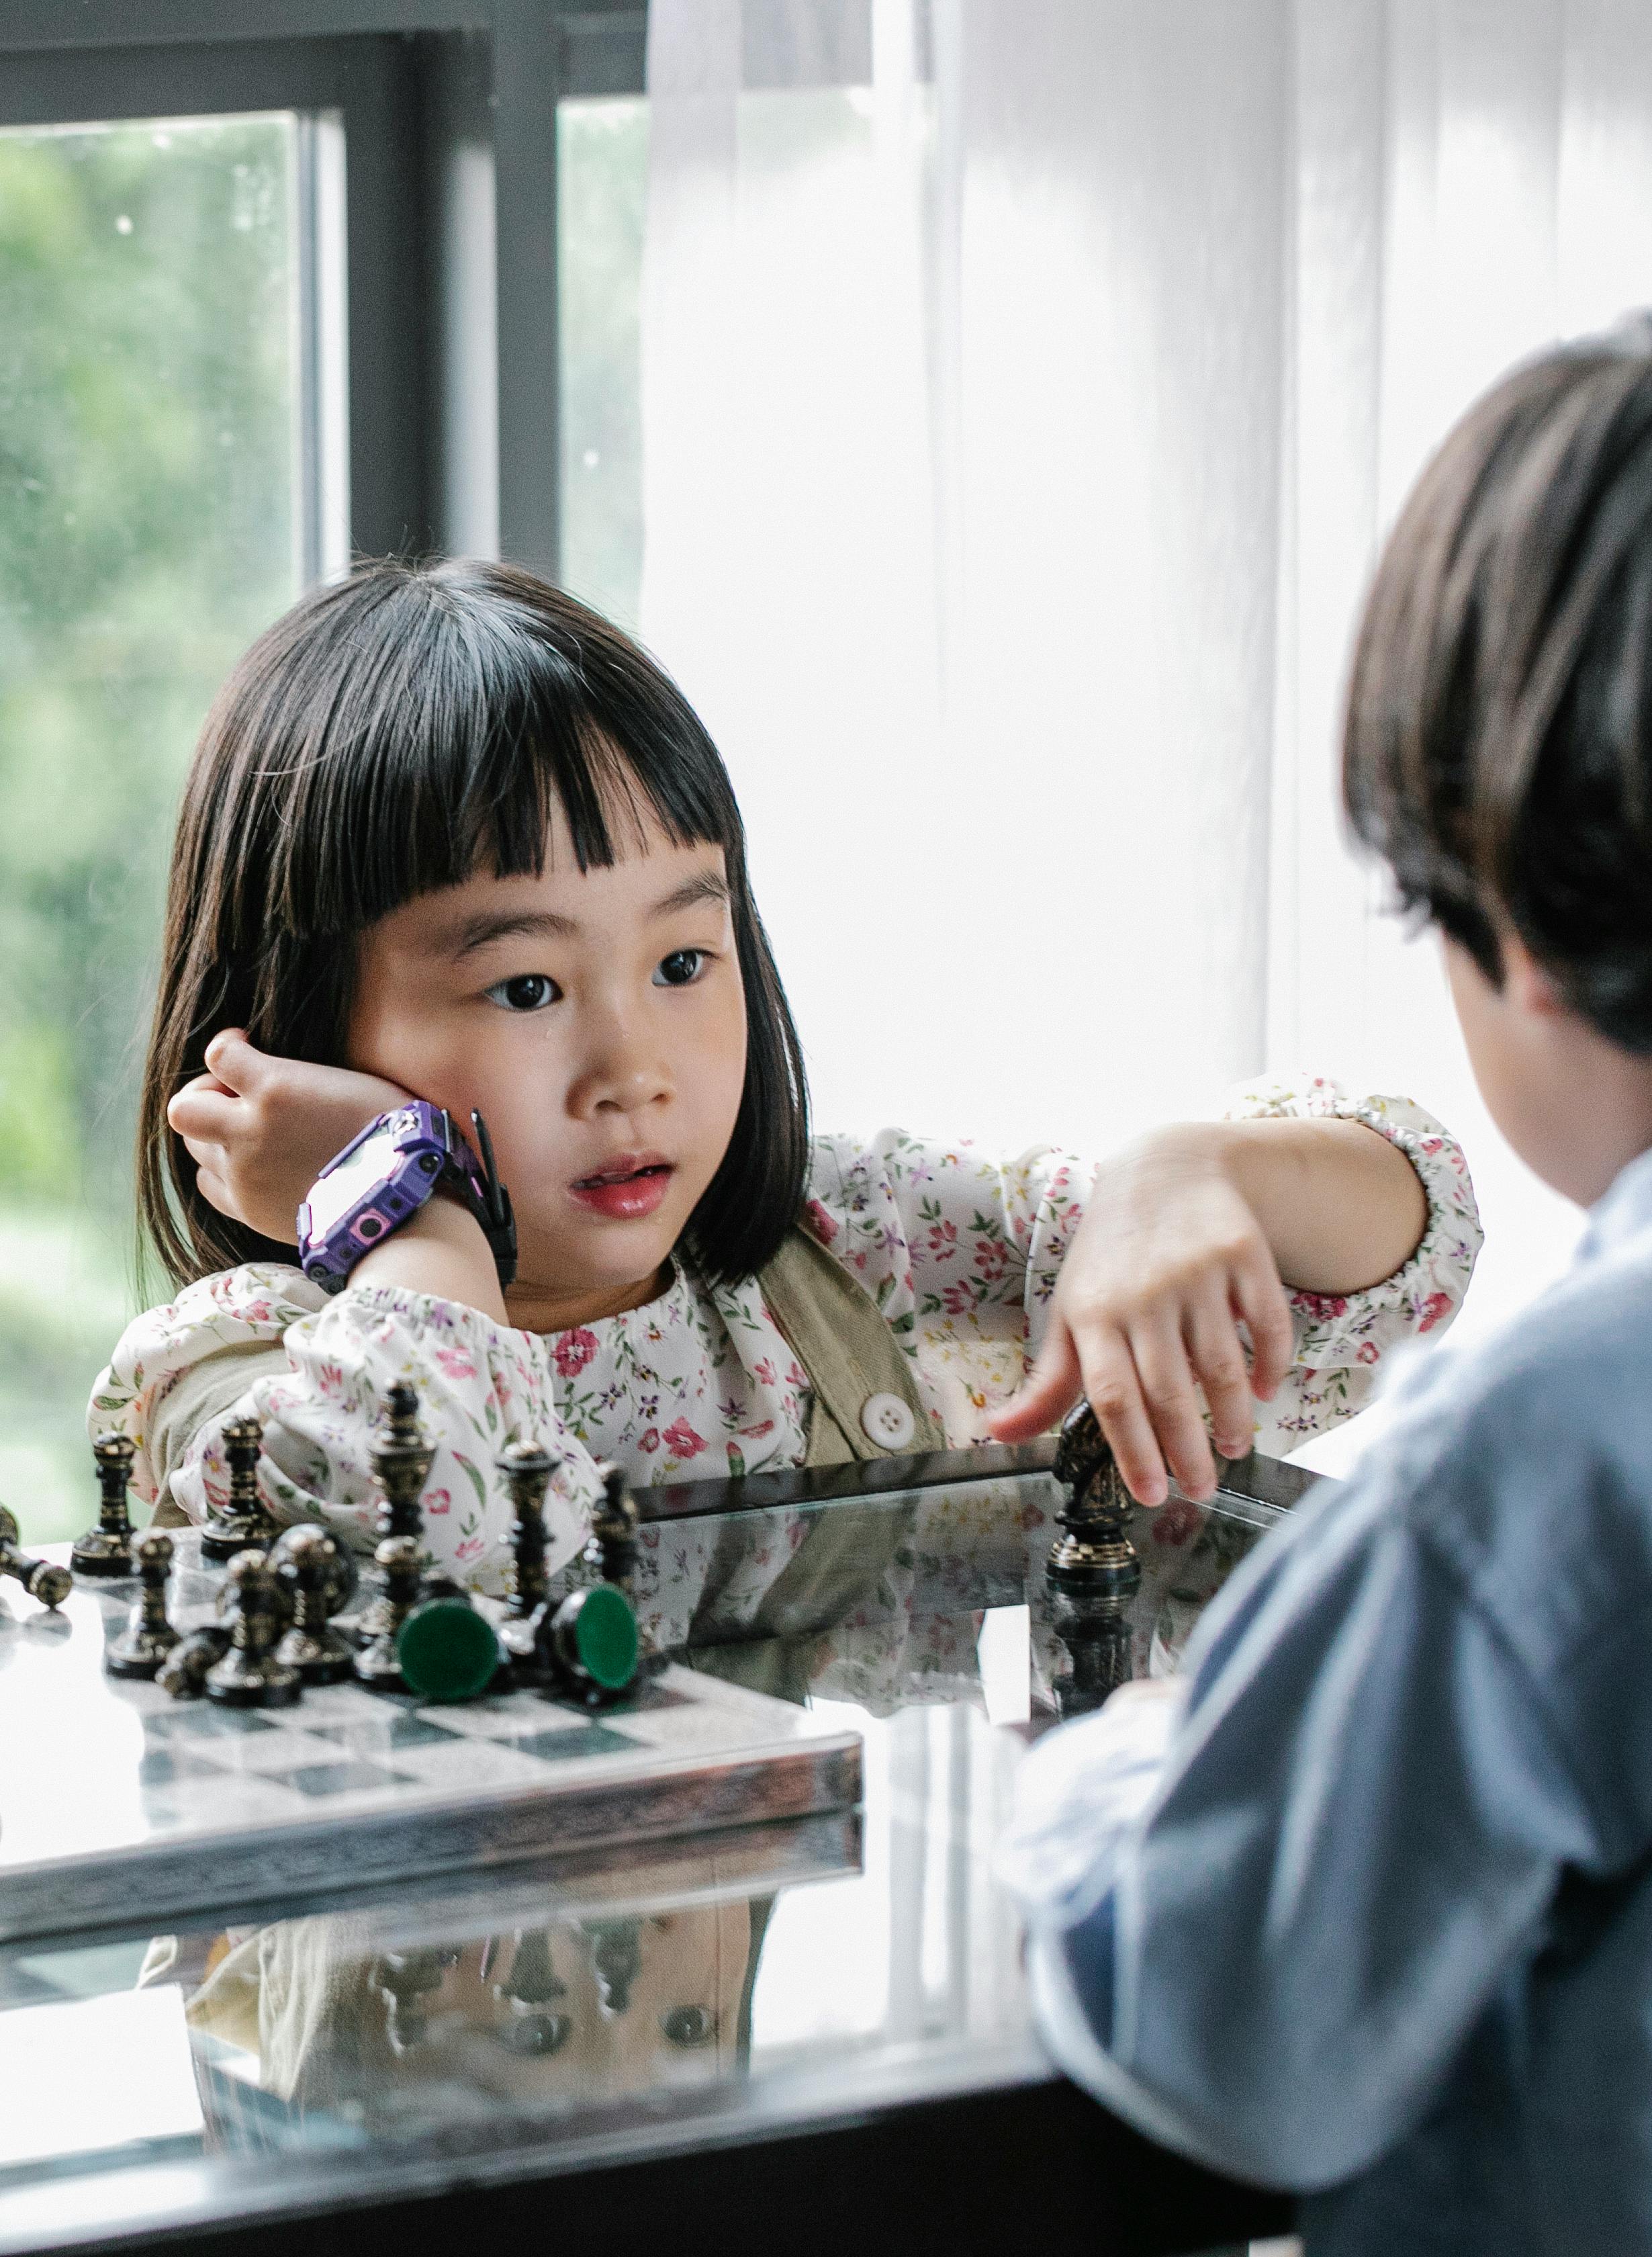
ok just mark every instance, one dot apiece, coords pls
pixel 565 2013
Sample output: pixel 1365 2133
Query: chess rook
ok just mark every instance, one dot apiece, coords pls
pixel 321 1655
pixel 107 1549
pixel 401 1454
pixel 245 1523
pixel 249 1676
pixel 149 1636
pixel 526 1470
pixel 50 1585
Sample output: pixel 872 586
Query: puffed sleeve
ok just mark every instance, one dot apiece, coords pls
pixel 961 1251
pixel 1342 1339
pixel 315 1371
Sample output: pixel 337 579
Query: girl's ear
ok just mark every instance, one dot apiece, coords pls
pixel 1528 988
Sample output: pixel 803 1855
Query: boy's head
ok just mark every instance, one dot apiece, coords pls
pixel 1498 752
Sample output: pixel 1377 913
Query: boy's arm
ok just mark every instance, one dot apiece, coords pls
pixel 1271 1960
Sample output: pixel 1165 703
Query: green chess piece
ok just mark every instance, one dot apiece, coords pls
pixel 446 1650
pixel 589 1644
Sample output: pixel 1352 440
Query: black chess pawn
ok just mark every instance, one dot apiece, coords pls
pixel 50 1585
pixel 1093 1573
pixel 379 1665
pixel 613 1549
pixel 245 1523
pixel 688 2027
pixel 526 1470
pixel 184 1672
pixel 321 1655
pixel 613 1553
pixel 531 1987
pixel 401 1454
pixel 149 1636
pixel 107 1549
pixel 616 1949
pixel 340 1579
pixel 406 1978
pixel 249 1676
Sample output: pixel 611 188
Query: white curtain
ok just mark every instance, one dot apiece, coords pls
pixel 1026 389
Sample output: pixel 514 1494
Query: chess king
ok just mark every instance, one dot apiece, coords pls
pixel 471 1067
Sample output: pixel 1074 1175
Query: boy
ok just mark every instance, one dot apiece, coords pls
pixel 1362 1903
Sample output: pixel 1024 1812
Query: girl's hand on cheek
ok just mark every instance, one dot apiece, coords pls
pixel 1168 1259
pixel 260 1129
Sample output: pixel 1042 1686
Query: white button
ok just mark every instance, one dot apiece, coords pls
pixel 887 1421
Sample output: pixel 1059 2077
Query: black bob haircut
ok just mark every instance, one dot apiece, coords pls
pixel 1498 751
pixel 391 735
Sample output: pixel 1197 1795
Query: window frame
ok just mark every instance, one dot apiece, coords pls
pixel 414 82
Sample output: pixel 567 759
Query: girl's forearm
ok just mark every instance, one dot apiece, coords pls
pixel 1341 1208
pixel 440 1251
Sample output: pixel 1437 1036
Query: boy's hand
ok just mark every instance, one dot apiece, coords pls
pixel 1168 1258
pixel 260 1129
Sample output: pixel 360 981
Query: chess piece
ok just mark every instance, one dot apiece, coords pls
pixel 249 1676
pixel 184 1672
pixel 401 1454
pixel 526 1470
pixel 446 1650
pixel 50 1585
pixel 339 1579
pixel 688 2027
pixel 1093 1573
pixel 246 1523
pixel 532 1986
pixel 149 1636
pixel 378 1665
pixel 612 1553
pixel 405 1978
pixel 613 1549
pixel 587 1646
pixel 321 1655
pixel 107 1549
pixel 616 1949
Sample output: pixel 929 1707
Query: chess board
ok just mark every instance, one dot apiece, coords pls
pixel 116 1800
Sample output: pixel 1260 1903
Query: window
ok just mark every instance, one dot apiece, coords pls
pixel 153 521
pixel 317 289
pixel 603 170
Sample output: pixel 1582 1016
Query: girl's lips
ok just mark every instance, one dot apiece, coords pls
pixel 628 1197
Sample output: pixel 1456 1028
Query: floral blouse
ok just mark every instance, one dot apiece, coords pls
pixel 959 1251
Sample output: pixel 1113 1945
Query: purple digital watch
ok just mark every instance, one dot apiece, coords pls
pixel 384 1176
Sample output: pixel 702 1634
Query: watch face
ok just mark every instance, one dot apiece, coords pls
pixel 332 1195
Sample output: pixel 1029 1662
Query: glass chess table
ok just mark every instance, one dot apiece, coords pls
pixel 803 2029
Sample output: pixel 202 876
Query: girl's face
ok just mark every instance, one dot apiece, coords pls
pixel 596 1021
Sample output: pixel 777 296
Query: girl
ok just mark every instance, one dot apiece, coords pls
pixel 448 836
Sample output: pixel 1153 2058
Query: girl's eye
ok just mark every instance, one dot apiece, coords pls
pixel 529 991
pixel 682 966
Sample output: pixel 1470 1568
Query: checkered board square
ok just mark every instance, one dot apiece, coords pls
pixel 112 1794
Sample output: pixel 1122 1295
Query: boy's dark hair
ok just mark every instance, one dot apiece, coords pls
pixel 1498 752
pixel 391 735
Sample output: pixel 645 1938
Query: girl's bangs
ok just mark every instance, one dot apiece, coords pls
pixel 453 752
